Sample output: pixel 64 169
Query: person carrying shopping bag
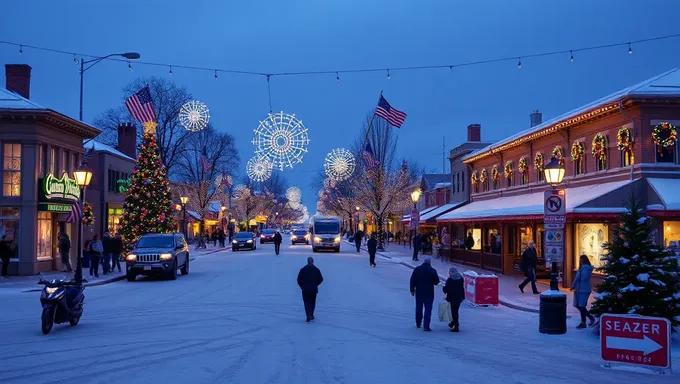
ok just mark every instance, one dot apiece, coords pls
pixel 455 294
pixel 582 289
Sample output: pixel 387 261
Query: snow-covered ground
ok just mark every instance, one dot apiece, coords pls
pixel 238 318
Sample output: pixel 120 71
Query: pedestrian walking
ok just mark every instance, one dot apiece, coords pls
pixel 277 242
pixel 106 245
pixel 372 249
pixel 357 240
pixel 116 251
pixel 455 294
pixel 582 289
pixel 5 254
pixel 417 239
pixel 221 236
pixel 423 280
pixel 309 278
pixel 528 266
pixel 96 250
pixel 65 251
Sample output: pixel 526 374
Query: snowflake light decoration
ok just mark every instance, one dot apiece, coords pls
pixel 293 194
pixel 194 115
pixel 339 164
pixel 282 139
pixel 259 168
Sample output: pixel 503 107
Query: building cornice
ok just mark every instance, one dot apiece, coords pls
pixel 50 118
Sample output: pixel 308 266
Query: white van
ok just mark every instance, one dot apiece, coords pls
pixel 325 232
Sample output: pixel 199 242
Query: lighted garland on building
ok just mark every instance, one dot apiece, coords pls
pixel 508 169
pixel 538 161
pixel 624 139
pixel 474 179
pixel 664 135
pixel 148 202
pixel 577 150
pixel 88 214
pixel 483 176
pixel 558 152
pixel 523 167
pixel 495 175
pixel 599 147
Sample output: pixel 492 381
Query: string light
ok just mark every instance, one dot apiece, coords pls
pixel 216 74
pixel 21 50
pixel 337 77
pixel 388 74
pixel 572 56
pixel 170 73
pixel 129 66
pixel 519 62
pixel 630 49
pixel 75 61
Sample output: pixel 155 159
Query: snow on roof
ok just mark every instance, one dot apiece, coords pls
pixel 667 190
pixel 532 204
pixel 442 185
pixel 195 214
pixel 101 147
pixel 11 100
pixel 665 84
pixel 214 206
pixel 440 210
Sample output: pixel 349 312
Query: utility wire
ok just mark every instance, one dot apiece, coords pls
pixel 214 71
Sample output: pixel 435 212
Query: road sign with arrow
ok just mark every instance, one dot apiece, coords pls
pixel 635 340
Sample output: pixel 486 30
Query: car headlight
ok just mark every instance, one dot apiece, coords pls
pixel 234 242
pixel 249 241
pixel 294 237
pixel 131 257
pixel 51 290
pixel 307 237
pixel 317 239
pixel 261 236
pixel 337 239
pixel 166 256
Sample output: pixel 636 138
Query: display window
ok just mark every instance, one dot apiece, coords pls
pixel 590 238
pixel 44 243
pixel 671 234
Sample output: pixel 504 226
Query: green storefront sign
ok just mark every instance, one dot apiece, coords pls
pixel 62 189
pixel 123 185
pixel 53 207
pixel 115 211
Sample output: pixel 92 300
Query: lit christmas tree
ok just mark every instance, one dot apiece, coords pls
pixel 148 200
pixel 641 276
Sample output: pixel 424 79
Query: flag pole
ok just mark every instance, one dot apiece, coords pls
pixel 368 130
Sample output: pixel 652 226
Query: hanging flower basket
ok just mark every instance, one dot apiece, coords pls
pixel 599 147
pixel 88 215
pixel 483 177
pixel 577 150
pixel 508 169
pixel 624 140
pixel 474 179
pixel 664 135
pixel 523 167
pixel 495 175
pixel 558 152
pixel 538 161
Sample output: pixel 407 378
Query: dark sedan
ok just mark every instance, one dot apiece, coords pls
pixel 267 236
pixel 243 240
pixel 299 236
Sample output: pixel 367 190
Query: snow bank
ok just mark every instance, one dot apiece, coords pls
pixel 551 293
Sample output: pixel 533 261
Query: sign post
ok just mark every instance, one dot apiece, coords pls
pixel 415 218
pixel 633 340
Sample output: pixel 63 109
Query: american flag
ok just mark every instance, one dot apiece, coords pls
pixel 140 105
pixel 369 157
pixel 205 163
pixel 76 213
pixel 393 116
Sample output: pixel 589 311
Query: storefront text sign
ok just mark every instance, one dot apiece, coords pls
pixel 554 209
pixel 54 207
pixel 64 188
pixel 635 340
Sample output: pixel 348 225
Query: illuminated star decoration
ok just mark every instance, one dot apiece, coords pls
pixel 150 127
pixel 259 168
pixel 282 139
pixel 194 116
pixel 339 164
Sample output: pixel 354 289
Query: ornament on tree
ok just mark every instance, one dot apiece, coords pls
pixel 664 136
pixel 600 147
pixel 88 214
pixel 624 140
pixel 577 150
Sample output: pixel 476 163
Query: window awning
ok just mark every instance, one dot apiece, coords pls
pixel 531 205
pixel 407 218
pixel 668 192
pixel 431 217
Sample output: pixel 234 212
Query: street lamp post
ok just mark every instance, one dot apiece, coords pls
pixel 83 176
pixel 95 61
pixel 184 200
pixel 554 173
pixel 357 224
pixel 415 196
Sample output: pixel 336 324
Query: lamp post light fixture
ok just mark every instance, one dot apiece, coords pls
pixel 83 176
pixel 554 173
pixel 184 200
pixel 95 61
pixel 357 224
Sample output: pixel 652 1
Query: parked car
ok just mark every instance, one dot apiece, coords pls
pixel 243 240
pixel 300 236
pixel 267 236
pixel 158 254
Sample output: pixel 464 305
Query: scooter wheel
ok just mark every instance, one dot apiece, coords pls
pixel 47 320
pixel 74 321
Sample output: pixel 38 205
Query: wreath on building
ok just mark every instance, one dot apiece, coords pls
pixel 558 152
pixel 577 150
pixel 624 139
pixel 495 175
pixel 664 135
pixel 474 179
pixel 600 147
pixel 88 215
pixel 483 177
pixel 523 167
pixel 538 161
pixel 508 169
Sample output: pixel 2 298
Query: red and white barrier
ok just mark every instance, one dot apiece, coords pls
pixel 481 289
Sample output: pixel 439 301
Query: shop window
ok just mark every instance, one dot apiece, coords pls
pixel 601 163
pixel 44 244
pixel 666 154
pixel 464 178
pixel 493 241
pixel 115 215
pixel 458 179
pixel 509 180
pixel 627 157
pixel 671 235
pixel 53 161
pixel 485 185
pixel 9 229
pixel 524 178
pixel 589 240
pixel 578 166
pixel 11 170
pixel 477 237
pixel 539 175
pixel 495 184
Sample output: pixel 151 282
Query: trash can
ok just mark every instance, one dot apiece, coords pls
pixel 552 316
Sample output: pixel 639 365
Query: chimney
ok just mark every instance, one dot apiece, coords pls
pixel 127 139
pixel 536 118
pixel 474 132
pixel 18 79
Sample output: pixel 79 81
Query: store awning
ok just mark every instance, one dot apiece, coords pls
pixel 431 217
pixel 407 218
pixel 668 191
pixel 531 205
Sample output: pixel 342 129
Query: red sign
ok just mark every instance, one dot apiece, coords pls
pixel 481 289
pixel 636 340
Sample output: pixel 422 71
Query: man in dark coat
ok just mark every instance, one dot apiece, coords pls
pixel 372 249
pixel 528 266
pixel 309 278
pixel 357 240
pixel 106 260
pixel 277 242
pixel 417 239
pixel 6 253
pixel 423 280
pixel 116 251
pixel 469 241
pixel 65 251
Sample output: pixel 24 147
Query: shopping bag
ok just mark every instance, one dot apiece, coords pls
pixel 445 312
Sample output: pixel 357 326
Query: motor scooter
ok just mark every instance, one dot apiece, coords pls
pixel 62 301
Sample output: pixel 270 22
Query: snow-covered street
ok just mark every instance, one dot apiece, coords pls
pixel 238 318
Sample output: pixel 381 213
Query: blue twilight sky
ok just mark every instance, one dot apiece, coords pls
pixel 301 35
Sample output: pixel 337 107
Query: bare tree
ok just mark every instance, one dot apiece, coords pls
pixel 167 98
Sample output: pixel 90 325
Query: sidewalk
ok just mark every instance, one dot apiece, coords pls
pixel 509 293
